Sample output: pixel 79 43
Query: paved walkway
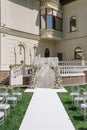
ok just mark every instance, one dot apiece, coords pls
pixel 46 112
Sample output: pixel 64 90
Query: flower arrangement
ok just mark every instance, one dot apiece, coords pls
pixel 11 66
pixel 37 68
pixel 22 62
pixel 58 78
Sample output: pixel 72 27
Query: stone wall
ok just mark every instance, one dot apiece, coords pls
pixel 74 80
pixel 3 75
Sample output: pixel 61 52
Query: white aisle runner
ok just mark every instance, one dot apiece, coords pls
pixel 46 112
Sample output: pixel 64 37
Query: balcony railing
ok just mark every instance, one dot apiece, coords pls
pixel 72 68
pixel 50 33
pixel 51 3
pixel 66 68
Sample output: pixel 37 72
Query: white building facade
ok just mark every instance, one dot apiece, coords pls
pixel 42 28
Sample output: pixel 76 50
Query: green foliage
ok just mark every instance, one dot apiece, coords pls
pixel 11 66
pixel 75 114
pixel 22 62
pixel 13 121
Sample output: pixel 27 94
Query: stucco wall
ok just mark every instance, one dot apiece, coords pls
pixel 67 47
pixel 50 44
pixel 9 46
pixel 71 40
pixel 20 15
pixel 78 9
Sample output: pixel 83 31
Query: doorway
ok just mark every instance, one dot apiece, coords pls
pixel 60 56
pixel 47 52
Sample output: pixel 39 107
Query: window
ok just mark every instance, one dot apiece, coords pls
pixel 58 23
pixel 78 53
pixel 50 20
pixel 43 23
pixel 73 24
pixel 60 56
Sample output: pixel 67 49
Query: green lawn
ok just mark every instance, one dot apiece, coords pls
pixel 75 115
pixel 13 120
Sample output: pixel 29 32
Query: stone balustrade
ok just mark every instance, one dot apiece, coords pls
pixel 66 68
pixel 72 68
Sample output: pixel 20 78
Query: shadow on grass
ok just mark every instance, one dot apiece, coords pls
pixel 73 108
pixel 68 102
pixel 79 118
pixel 82 128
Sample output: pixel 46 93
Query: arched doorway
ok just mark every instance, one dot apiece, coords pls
pixel 47 52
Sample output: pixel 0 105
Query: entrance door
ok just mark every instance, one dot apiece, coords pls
pixel 60 56
pixel 47 52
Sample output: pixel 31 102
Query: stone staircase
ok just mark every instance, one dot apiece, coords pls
pixel 5 81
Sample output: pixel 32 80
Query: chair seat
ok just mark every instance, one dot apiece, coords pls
pixel 1 99
pixel 17 94
pixel 80 99
pixel 4 106
pixel 74 94
pixel 85 93
pixel 4 94
pixel 84 105
pixel 1 114
pixel 11 98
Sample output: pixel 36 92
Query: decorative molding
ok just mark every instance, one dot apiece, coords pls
pixel 79 37
pixel 18 33
pixel 51 4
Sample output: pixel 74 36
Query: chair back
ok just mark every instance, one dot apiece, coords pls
pixel 75 89
pixel 82 90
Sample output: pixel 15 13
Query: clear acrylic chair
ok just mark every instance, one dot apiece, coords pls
pixel 84 109
pixel 4 93
pixel 11 99
pixel 84 105
pixel 2 99
pixel 85 93
pixel 5 108
pixel 16 93
pixel 74 92
pixel 80 98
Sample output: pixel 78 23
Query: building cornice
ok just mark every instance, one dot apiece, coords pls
pixel 18 33
pixel 80 37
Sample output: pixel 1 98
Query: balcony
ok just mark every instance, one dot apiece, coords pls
pixel 51 4
pixel 72 68
pixel 51 34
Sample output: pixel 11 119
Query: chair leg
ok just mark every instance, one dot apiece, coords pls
pixel 84 114
pixel 2 120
